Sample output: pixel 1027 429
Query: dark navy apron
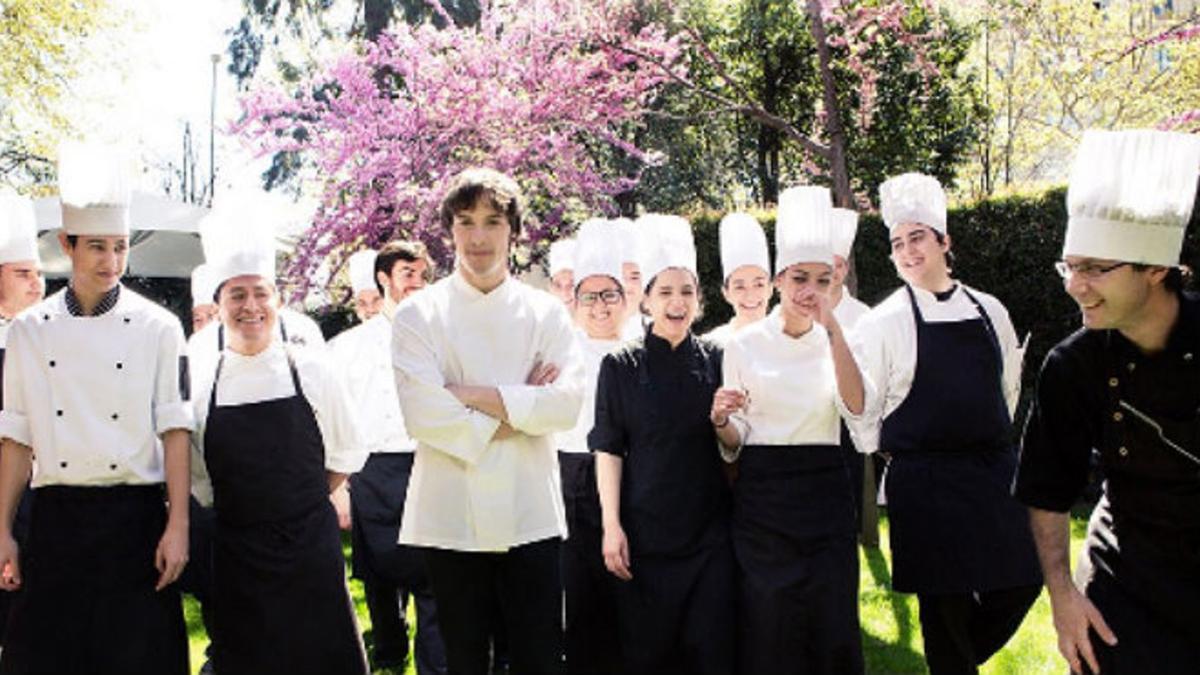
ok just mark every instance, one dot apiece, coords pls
pixel 955 528
pixel 794 539
pixel 1141 561
pixel 88 604
pixel 280 603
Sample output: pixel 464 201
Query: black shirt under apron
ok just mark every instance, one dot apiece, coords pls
pixel 1097 392
pixel 954 526
pixel 652 409
pixel 280 603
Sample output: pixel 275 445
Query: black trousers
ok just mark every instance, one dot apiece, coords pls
pixel 963 630
pixel 392 573
pixel 524 581
pixel 592 646
pixel 679 615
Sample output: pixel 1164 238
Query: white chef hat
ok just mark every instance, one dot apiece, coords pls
pixel 669 243
pixel 95 187
pixel 18 229
pixel 204 288
pixel 562 256
pixel 1131 195
pixel 803 227
pixel 631 241
pixel 595 254
pixel 742 243
pixel 845 227
pixel 913 198
pixel 238 236
pixel 362 270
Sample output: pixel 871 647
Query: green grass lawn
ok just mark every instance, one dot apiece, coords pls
pixel 891 629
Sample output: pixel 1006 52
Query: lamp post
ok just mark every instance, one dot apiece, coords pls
pixel 215 57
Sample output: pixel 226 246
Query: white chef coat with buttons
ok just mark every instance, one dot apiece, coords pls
pixel 593 351
pixel 266 377
pixel 885 343
pixel 849 311
pixel 791 386
pixel 91 395
pixel 363 356
pixel 468 492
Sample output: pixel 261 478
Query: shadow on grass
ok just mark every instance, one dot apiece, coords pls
pixel 887 656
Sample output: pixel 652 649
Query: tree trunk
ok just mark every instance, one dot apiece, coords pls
pixel 836 134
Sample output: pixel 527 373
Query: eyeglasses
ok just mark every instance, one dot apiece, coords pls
pixel 609 297
pixel 1088 270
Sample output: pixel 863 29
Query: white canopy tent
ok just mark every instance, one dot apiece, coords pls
pixel 165 236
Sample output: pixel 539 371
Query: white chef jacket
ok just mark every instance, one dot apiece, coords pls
pixel 265 377
pixel 721 335
pixel 363 356
pixel 593 351
pixel 468 492
pixel 885 342
pixel 202 346
pixel 849 311
pixel 92 395
pixel 633 328
pixel 790 383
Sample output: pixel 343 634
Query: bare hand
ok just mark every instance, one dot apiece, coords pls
pixel 1073 615
pixel 616 553
pixel 341 504
pixel 171 556
pixel 10 565
pixel 726 401
pixel 824 314
pixel 542 374
pixel 505 430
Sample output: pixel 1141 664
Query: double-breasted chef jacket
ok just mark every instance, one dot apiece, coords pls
pixel 469 492
pixel 948 371
pixel 91 395
pixel 1099 394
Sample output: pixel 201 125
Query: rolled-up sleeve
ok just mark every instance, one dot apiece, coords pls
pixel 541 410
pixel 1058 440
pixel 14 418
pixel 341 430
pixel 433 415
pixel 172 407
pixel 870 352
pixel 609 433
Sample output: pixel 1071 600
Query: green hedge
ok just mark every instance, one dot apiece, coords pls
pixel 1006 247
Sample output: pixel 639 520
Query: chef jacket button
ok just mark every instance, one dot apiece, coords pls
pixel 58 412
pixel 119 366
pixel 1187 356
pixel 113 467
pixel 114 416
pixel 1117 416
pixel 1130 366
pixel 51 363
pixel 1112 382
pixel 45 317
pixel 63 464
pixel 126 319
pixel 1123 451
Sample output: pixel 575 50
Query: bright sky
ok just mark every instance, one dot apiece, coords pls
pixel 159 78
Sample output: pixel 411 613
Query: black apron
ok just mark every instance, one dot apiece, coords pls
pixel 88 604
pixel 377 494
pixel 1141 561
pixel 794 539
pixel 280 603
pixel 955 528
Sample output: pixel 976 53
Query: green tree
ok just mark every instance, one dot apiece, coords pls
pixel 45 46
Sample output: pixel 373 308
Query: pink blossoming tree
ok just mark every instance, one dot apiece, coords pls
pixel 534 90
